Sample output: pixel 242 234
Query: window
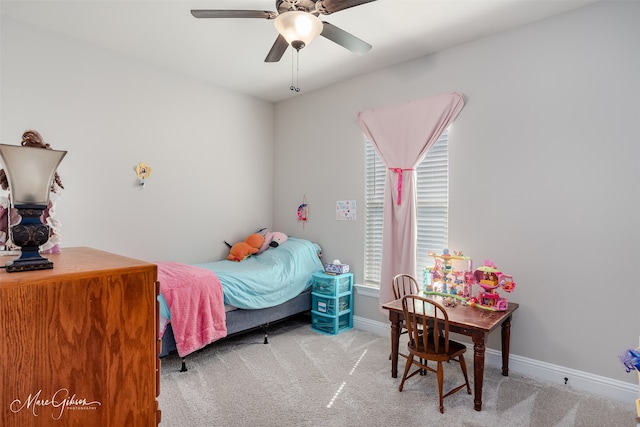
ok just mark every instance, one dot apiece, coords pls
pixel 432 177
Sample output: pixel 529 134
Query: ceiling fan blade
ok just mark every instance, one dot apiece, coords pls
pixel 277 50
pixel 328 7
pixel 264 14
pixel 344 39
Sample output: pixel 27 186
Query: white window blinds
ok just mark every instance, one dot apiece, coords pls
pixel 432 177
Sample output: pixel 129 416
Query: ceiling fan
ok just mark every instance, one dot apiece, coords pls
pixel 297 23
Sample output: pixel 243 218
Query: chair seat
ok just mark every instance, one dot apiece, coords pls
pixel 455 349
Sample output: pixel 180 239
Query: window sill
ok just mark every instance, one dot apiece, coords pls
pixel 367 291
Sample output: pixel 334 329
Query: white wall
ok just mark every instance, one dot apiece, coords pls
pixel 544 174
pixel 210 150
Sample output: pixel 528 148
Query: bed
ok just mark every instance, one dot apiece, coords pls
pixel 202 303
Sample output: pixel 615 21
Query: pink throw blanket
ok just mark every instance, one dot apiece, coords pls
pixel 196 303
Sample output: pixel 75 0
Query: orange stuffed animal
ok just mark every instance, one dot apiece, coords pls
pixel 248 247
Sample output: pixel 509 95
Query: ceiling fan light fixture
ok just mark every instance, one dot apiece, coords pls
pixel 298 28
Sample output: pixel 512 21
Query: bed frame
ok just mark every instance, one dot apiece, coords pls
pixel 239 320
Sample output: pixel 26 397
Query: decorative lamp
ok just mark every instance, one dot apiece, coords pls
pixel 298 28
pixel 30 172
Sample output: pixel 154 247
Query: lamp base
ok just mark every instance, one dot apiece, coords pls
pixel 29 235
pixel 28 264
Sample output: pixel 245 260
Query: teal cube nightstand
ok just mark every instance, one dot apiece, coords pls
pixel 332 303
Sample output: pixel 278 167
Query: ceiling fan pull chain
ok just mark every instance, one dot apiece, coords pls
pixel 297 70
pixel 292 87
pixel 294 64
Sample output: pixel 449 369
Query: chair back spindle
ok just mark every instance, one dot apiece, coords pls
pixel 428 333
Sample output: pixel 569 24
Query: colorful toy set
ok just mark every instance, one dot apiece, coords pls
pixel 452 277
pixel 631 361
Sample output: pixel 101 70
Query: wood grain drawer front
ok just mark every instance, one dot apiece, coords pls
pixel 80 351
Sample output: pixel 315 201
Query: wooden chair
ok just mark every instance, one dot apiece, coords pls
pixel 429 340
pixel 404 284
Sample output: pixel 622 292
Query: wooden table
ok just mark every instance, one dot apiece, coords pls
pixel 466 320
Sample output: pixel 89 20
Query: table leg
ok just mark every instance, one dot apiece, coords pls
pixel 395 342
pixel 506 338
pixel 478 368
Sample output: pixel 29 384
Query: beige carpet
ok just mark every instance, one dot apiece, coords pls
pixel 303 378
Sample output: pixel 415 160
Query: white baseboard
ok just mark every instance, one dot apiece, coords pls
pixel 578 380
pixel 373 326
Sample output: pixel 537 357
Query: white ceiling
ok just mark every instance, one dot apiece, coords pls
pixel 230 52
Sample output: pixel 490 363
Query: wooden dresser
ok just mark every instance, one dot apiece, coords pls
pixel 79 342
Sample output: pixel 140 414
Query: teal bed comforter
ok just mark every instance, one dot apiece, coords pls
pixel 270 278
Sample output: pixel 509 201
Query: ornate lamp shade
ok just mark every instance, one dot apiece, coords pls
pixel 30 172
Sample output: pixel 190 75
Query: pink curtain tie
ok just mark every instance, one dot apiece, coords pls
pixel 399 172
